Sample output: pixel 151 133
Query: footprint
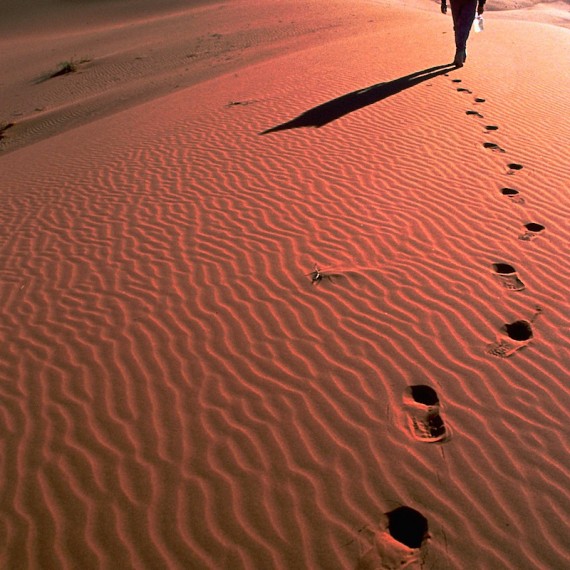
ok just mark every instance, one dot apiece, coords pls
pixel 475 113
pixel 398 541
pixel 513 195
pixel 456 81
pixel 531 231
pixel 479 100
pixel 492 128
pixel 424 420
pixel 513 167
pixel 494 147
pixel 408 526
pixel 513 336
pixel 464 90
pixel 507 276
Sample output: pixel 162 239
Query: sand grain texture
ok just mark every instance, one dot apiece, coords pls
pixel 178 393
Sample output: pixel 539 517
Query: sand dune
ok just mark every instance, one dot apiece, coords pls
pixel 216 296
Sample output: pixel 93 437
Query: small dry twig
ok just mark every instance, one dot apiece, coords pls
pixel 317 275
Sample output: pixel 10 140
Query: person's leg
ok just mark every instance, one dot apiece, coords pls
pixel 455 10
pixel 463 13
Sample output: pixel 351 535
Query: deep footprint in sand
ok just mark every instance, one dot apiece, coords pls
pixel 513 195
pixel 531 231
pixel 423 414
pixel 464 90
pixel 479 100
pixel 397 542
pixel 474 113
pixel 408 526
pixel 491 128
pixel 513 336
pixel 494 147
pixel 514 167
pixel 507 276
pixel 456 81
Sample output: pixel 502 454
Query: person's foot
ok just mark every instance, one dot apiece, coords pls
pixel 460 57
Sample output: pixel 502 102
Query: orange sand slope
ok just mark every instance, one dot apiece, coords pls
pixel 125 54
pixel 183 388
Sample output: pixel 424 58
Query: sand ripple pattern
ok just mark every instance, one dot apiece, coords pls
pixel 176 393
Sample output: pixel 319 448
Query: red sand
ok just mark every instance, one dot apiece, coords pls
pixel 177 393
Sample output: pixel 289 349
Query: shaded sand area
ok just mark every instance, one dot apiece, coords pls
pixel 228 349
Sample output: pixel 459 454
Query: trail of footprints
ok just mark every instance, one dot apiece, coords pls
pixel 512 336
pixel 398 540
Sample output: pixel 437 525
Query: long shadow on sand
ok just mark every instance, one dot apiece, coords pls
pixel 341 106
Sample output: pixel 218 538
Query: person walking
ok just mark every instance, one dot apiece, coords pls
pixel 463 13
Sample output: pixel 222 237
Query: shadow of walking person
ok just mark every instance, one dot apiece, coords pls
pixel 345 104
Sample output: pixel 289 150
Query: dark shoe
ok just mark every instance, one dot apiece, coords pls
pixel 460 57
